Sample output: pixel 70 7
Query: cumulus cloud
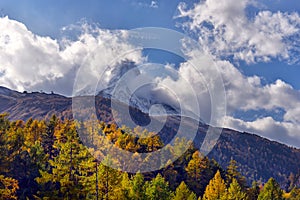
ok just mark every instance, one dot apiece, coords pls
pixel 225 29
pixel 284 132
pixel 242 93
pixel 229 32
pixel 248 93
pixel 32 62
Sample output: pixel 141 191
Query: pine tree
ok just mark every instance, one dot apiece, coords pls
pixel 183 193
pixel 234 192
pixel 109 181
pixel 123 191
pixel 216 188
pixel 271 190
pixel 158 189
pixel 23 159
pixel 33 132
pixel 72 169
pixel 48 137
pixel 137 189
pixel 233 173
pixel 192 196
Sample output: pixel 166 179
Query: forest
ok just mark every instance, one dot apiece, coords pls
pixel 46 159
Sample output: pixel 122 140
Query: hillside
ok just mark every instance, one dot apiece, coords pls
pixel 257 157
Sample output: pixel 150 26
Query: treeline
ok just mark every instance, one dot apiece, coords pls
pixel 47 160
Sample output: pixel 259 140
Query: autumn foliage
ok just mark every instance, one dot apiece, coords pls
pixel 48 160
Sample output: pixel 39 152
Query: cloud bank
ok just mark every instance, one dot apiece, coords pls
pixel 227 30
pixel 32 62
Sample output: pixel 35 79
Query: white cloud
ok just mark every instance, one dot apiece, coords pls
pixel 242 93
pixel 154 4
pixel 248 93
pixel 32 62
pixel 225 29
pixel 284 132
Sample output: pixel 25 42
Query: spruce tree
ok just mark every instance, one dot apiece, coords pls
pixel 138 187
pixel 183 193
pixel 72 171
pixel 123 190
pixel 271 190
pixel 234 192
pixel 158 189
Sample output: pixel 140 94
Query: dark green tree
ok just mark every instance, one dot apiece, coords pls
pixel 158 189
pixel 138 187
pixel 271 190
pixel 183 193
pixel 234 192
pixel 72 174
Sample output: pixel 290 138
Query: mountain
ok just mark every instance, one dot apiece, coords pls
pixel 117 88
pixel 33 105
pixel 257 157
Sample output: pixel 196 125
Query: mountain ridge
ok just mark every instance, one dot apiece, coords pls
pixel 258 158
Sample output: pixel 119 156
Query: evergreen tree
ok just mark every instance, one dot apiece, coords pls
pixel 5 155
pixel 271 190
pixel 48 137
pixel 137 189
pixel 72 170
pixel 233 173
pixel 123 191
pixel 234 192
pixel 183 193
pixel 192 196
pixel 158 189
pixel 216 188
pixel 109 182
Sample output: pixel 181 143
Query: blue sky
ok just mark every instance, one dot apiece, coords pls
pixel 47 18
pixel 272 77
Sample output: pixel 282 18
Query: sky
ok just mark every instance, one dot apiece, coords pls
pixel 254 44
